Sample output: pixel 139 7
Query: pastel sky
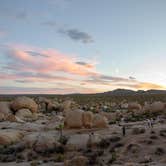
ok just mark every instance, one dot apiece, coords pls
pixel 82 46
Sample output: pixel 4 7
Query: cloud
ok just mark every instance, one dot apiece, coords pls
pixel 49 23
pixel 77 35
pixel 29 90
pixel 45 61
pixel 46 90
pixel 141 86
pixel 40 77
pixel 88 65
pixel 120 82
pixel 105 79
pixel 36 54
pixel 113 78
pixel 16 15
pixel 23 81
pixel 147 85
pixel 132 78
pixel 25 65
pixel 72 33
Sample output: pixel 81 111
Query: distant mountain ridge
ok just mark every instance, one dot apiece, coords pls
pixel 132 92
pixel 116 92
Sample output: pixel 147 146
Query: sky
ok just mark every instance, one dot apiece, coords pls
pixel 82 46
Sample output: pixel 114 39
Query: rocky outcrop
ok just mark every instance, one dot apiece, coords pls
pixel 74 119
pixel 87 119
pixel 8 137
pixel 5 108
pixel 24 102
pixel 157 106
pixel 100 121
pixel 134 105
pixel 2 117
pixel 24 113
pixel 80 119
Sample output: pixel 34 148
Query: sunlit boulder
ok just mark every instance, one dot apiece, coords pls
pixel 24 102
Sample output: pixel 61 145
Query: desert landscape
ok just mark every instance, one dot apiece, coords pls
pixel 110 129
pixel 82 83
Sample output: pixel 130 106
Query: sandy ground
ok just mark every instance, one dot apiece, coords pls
pixel 143 148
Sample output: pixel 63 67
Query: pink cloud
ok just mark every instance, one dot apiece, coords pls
pixel 48 61
pixel 26 65
pixel 30 78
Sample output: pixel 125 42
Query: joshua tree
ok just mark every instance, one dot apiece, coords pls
pixel 62 139
pixel 60 127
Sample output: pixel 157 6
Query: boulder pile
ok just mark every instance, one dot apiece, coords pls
pixel 20 109
pixel 80 119
pixel 24 102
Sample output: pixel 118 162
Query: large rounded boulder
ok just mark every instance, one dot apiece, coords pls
pixel 45 144
pixel 146 107
pixel 157 106
pixel 5 108
pixel 134 106
pixel 53 107
pixel 67 106
pixel 73 119
pixel 8 137
pixel 100 121
pixel 24 114
pixel 2 116
pixel 87 119
pixel 24 102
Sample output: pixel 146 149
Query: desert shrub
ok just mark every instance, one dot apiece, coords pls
pixel 113 158
pixel 60 149
pixel 63 140
pixel 114 139
pixel 112 122
pixel 163 133
pixel 92 158
pixel 104 143
pixel 153 137
pixel 59 158
pixel 159 151
pixel 138 130
pixel 133 148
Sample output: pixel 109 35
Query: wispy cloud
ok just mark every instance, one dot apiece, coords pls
pixel 120 82
pixel 77 35
pixel 140 86
pixel 50 23
pixel 107 80
pixel 18 15
pixel 88 65
pixel 132 78
pixel 26 65
pixel 40 90
pixel 45 61
pixel 36 54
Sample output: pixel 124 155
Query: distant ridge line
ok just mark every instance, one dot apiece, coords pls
pixel 116 92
